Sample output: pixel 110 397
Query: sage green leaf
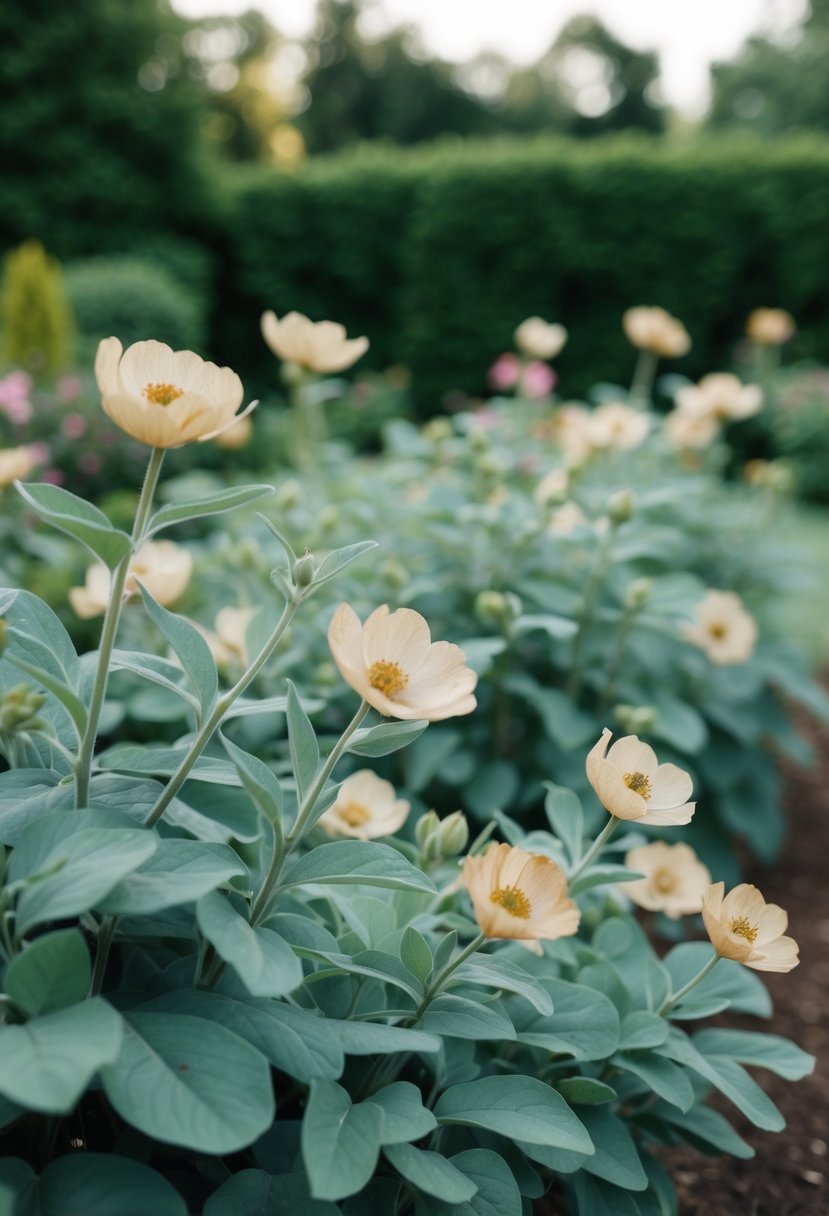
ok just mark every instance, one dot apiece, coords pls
pixel 180 871
pixel 191 648
pixel 376 1038
pixel 458 1017
pixel 741 987
pixel 157 670
pixel 385 738
pixel 302 743
pixel 497 1193
pixel 705 1129
pixel 375 964
pixel 47 1063
pixel 729 1078
pixel 338 559
pixel 99 1184
pixel 50 973
pixel 340 1142
pixel 584 1024
pixel 596 1198
pixel 265 963
pixel 641 1029
pixel 416 954
pixel 211 504
pixel 164 761
pixel 255 1193
pixel 566 818
pixel 585 1091
pixel 616 1158
pixel 294 1040
pixel 26 794
pixel 602 876
pixel 187 1081
pixel 516 1107
pixel 770 1051
pixel 77 518
pixel 59 689
pixel 405 1118
pixel 667 1080
pixel 262 785
pixel 9 1111
pixel 431 1172
pixel 492 972
pixel 78 872
pixel 359 862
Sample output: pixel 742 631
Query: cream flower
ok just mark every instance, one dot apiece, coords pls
pixel 616 425
pixel 15 463
pixel 723 628
pixel 552 487
pixel 227 642
pixel 721 396
pixel 392 662
pixel 366 807
pixel 166 398
pixel 321 346
pixel 656 330
pixel 743 927
pixel 570 429
pixel 237 436
pixel 675 878
pixel 540 339
pixel 631 783
pixel 520 896
pixel 770 326
pixel 566 518
pixel 685 430
pixel 162 566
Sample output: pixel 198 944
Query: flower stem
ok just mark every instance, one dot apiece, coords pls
pixel 106 935
pixel 110 628
pixel 261 903
pixel 437 984
pixel 594 582
pixel 675 997
pixel 615 664
pixel 214 718
pixel 641 389
pixel 595 848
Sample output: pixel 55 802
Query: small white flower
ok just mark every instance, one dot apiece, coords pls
pixel 320 346
pixel 723 628
pixel 540 339
pixel 366 807
pixel 631 783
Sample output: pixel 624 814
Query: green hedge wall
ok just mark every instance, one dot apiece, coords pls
pixel 437 255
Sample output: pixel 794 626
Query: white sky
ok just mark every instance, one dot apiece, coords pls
pixel 688 34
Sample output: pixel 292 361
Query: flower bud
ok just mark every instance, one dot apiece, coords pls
pixel 292 374
pixel 454 834
pixel 394 573
pixel 638 593
pixel 18 709
pixel 620 507
pixel 635 720
pixel 289 495
pixel 304 570
pixel 427 828
pixel 498 607
pixel 488 464
pixel 327 518
pixel 436 430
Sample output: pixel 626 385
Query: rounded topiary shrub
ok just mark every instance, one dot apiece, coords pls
pixel 133 299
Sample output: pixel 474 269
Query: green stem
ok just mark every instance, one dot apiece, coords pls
pixel 595 848
pixel 213 720
pixel 641 388
pixel 615 664
pixel 109 629
pixel 675 997
pixel 106 935
pixel 437 984
pixel 262 901
pixel 586 615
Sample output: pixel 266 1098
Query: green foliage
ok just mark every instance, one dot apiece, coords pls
pixel 35 318
pixel 479 236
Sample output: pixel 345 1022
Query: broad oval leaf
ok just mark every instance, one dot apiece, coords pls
pixel 263 960
pixel 359 862
pixel 516 1107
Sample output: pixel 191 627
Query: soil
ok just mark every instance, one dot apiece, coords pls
pixel 789 1176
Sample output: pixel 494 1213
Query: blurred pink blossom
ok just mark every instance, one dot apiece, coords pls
pixel 538 380
pixel 14 397
pixel 90 463
pixel 69 388
pixel 18 411
pixel 505 371
pixel 73 426
pixel 39 452
pixel 53 476
pixel 485 418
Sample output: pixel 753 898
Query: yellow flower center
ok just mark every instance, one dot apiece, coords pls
pixel 387 677
pixel 743 927
pixel 354 814
pixel 162 394
pixel 664 880
pixel 512 900
pixel 639 783
pixel 717 631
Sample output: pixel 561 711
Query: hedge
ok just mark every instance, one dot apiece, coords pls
pixel 438 254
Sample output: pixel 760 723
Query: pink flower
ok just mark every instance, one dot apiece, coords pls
pixel 15 386
pixel 54 477
pixel 90 463
pixel 69 388
pixel 39 452
pixel 73 426
pixel 505 372
pixel 538 380
pixel 18 411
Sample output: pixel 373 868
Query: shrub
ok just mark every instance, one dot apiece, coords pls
pixel 35 317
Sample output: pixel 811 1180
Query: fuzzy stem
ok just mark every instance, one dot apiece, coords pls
pixel 595 848
pixel 675 997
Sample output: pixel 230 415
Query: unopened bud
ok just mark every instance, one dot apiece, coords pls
pixel 620 507
pixel 18 709
pixel 454 834
pixel 427 835
pixel 638 593
pixel 498 607
pixel 478 440
pixel 635 719
pixel 327 518
pixel 304 570
pixel 394 573
pixel 288 495
pixel 436 430
pixel 488 464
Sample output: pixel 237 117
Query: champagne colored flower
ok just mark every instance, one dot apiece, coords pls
pixel 685 431
pixel 237 436
pixel 675 879
pixel 540 339
pixel 520 896
pixel 166 398
pixel 743 927
pixel 656 330
pixel 552 487
pixel 320 346
pixel 721 396
pixel 770 326
pixel 162 566
pixel 723 628
pixel 631 783
pixel 392 662
pixel 570 429
pixel 616 425
pixel 15 464
pixel 366 807
pixel 566 518
pixel 228 641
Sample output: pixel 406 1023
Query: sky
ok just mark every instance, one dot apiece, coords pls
pixel 688 34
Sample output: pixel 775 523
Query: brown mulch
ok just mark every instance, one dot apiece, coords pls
pixel 789 1176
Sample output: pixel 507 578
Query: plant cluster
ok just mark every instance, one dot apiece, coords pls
pixel 222 991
